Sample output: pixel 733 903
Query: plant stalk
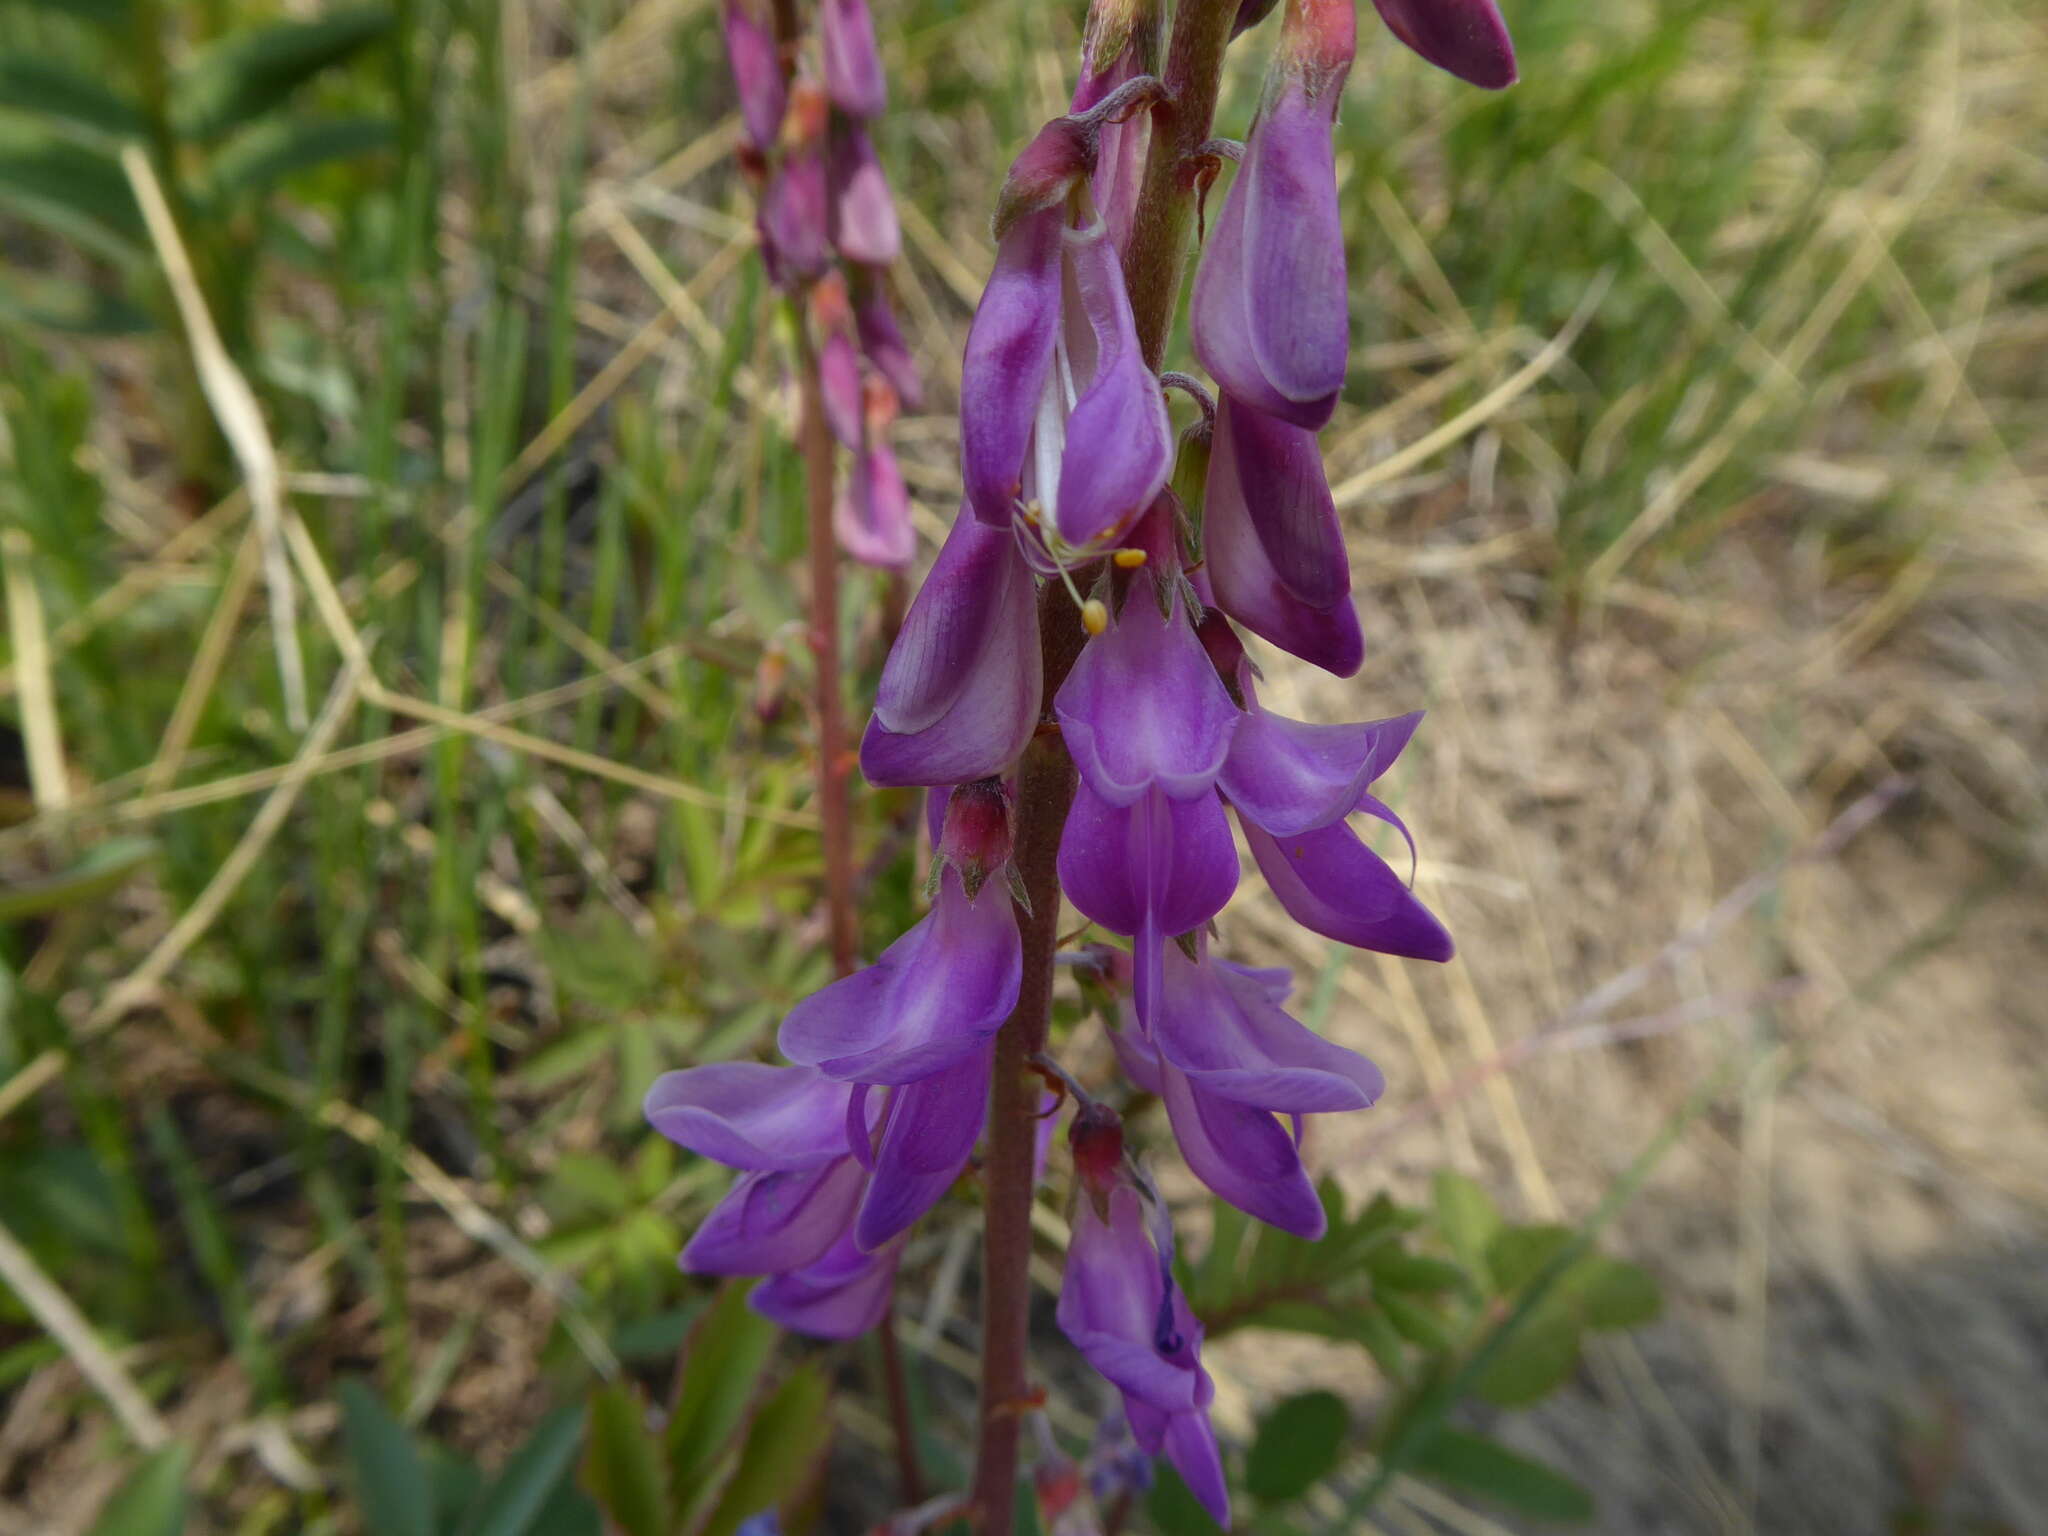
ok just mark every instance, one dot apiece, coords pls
pixel 1153 268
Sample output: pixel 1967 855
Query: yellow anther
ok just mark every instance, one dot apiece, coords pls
pixel 1094 616
pixel 1129 559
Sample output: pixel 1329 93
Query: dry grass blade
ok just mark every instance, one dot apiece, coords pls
pixel 62 1320
pixel 39 725
pixel 241 422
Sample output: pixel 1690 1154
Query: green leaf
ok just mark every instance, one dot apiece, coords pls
pixel 728 1350
pixel 1478 1465
pixel 103 869
pixel 151 1502
pixel 1614 1294
pixel 623 1466
pixel 107 13
pixel 512 1504
pixel 1297 1446
pixel 1536 1361
pixel 1517 1255
pixel 1405 1271
pixel 600 961
pixel 391 1480
pixel 1417 1323
pixel 47 89
pixel 271 150
pixel 1176 1511
pixel 1468 1219
pixel 783 1455
pixel 247 73
pixel 74 191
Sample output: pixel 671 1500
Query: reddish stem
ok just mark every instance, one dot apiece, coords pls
pixel 1153 267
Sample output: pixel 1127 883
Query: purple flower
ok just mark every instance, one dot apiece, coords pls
pixel 1058 412
pixel 840 385
pixel 1268 316
pixel 794 217
pixel 1293 784
pixel 840 1296
pixel 862 217
pixel 937 995
pixel 1143 706
pixel 1151 870
pixel 959 695
pixel 1276 561
pixel 1120 1307
pixel 1121 43
pixel 871 513
pixel 881 340
pixel 852 64
pixel 1466 37
pixel 756 72
pixel 1226 1059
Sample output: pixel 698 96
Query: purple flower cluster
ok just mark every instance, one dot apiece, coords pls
pixel 828 228
pixel 1072 475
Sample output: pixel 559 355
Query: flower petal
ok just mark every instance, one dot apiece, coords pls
pixel 852 64
pixel 1332 884
pixel 871 513
pixel 841 1296
pixel 1243 1155
pixel 1143 706
pixel 1289 776
pixel 756 72
pixel 771 1221
pixel 1007 361
pixel 1119 444
pixel 1466 37
pixel 746 1114
pixel 1299 321
pixel 863 223
pixel 938 994
pixel 926 1141
pixel 959 695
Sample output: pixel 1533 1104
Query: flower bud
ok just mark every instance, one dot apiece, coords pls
pixel 756 72
pixel 975 837
pixel 1096 1138
pixel 853 65
pixel 881 339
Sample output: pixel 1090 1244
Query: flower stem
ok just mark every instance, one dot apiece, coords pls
pixel 1153 268
pixel 814 442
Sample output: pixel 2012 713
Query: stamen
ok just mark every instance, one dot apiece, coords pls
pixel 1094 613
pixel 1129 559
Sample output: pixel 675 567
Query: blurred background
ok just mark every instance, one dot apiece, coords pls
pixel 404 760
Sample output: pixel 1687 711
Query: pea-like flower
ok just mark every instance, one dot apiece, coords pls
pixel 1059 415
pixel 1120 1307
pixel 852 64
pixel 1466 37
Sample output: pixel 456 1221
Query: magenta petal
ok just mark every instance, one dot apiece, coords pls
pixel 776 1221
pixel 852 64
pixel 871 513
pixel 1166 865
pixel 1008 356
pixel 756 72
pixel 1466 37
pixel 794 217
pixel 1143 706
pixel 1276 559
pixel 863 215
pixel 1290 776
pixel 1191 1446
pixel 930 1132
pixel 839 388
pixel 749 1115
pixel 1243 1155
pixel 840 1296
pixel 1294 249
pixel 1332 884
pixel 1220 1026
pixel 938 994
pixel 881 339
pixel 1219 310
pixel 1119 444
pixel 959 695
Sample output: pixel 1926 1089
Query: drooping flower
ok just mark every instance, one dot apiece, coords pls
pixel 940 992
pixel 794 218
pixel 756 72
pixel 881 339
pixel 1120 1307
pixel 840 1295
pixel 852 64
pixel 1276 557
pixel 960 692
pixel 1268 316
pixel 1466 37
pixel 862 215
pixel 1121 42
pixel 1225 1057
pixel 1293 786
pixel 1058 412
